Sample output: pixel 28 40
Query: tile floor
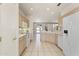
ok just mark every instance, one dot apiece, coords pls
pixel 45 49
pixel 39 48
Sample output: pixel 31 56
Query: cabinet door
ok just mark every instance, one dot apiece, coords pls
pixel 22 44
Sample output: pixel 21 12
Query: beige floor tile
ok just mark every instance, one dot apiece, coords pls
pixel 45 49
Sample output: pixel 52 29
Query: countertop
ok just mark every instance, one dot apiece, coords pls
pixel 58 33
pixel 21 35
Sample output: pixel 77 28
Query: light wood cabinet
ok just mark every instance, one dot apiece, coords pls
pixel 23 28
pixel 49 37
pixel 22 44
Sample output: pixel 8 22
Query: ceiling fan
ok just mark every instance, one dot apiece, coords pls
pixel 58 4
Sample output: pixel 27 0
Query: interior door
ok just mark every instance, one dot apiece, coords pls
pixel 0 29
pixel 9 29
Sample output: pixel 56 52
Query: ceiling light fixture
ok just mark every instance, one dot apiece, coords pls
pixel 47 9
pixel 31 8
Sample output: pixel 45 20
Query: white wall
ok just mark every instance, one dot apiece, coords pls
pixel 70 42
pixel 69 8
pixel 9 29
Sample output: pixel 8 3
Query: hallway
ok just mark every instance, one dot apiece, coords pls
pixel 56 32
pixel 41 18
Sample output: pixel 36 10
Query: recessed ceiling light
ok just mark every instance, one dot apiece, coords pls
pixel 31 8
pixel 47 9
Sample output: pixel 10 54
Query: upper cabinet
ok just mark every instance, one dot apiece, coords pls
pixel 23 24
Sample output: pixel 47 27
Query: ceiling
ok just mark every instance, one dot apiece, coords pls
pixel 44 11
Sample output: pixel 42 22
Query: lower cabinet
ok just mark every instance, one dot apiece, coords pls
pixel 49 37
pixel 22 44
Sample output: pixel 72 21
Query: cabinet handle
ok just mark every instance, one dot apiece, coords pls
pixel 14 38
pixel 0 39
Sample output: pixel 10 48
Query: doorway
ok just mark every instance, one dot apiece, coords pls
pixel 37 28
